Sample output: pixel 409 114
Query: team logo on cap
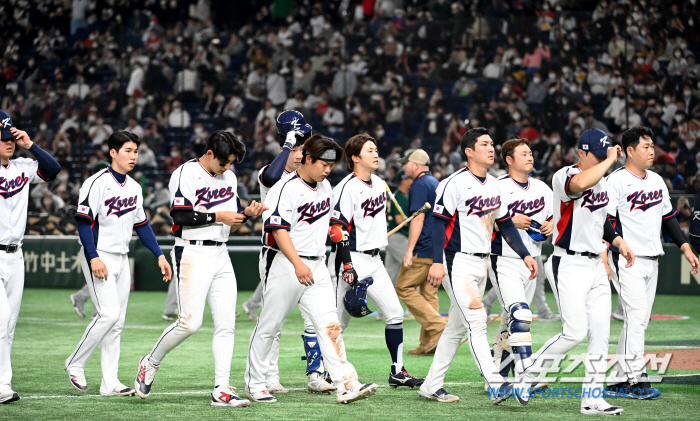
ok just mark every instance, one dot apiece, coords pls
pixel 604 141
pixel 6 122
pixel 295 122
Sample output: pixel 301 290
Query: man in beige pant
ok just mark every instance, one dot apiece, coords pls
pixel 418 259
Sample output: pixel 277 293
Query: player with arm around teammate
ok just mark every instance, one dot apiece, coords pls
pixel 296 226
pixel 639 207
pixel 15 175
pixel 205 208
pixel 467 205
pixel 292 132
pixel 358 227
pixel 529 202
pixel 110 207
pixel 576 271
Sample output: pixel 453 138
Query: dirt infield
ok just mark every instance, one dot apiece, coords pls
pixel 684 359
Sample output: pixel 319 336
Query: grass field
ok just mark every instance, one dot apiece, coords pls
pixel 48 330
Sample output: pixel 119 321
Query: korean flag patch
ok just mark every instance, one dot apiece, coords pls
pixel 336 214
pixel 179 201
pixel 85 210
pixel 276 220
pixel 438 209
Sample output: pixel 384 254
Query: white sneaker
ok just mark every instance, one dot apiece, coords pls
pixel 120 390
pixel 317 384
pixel 440 395
pixel 8 395
pixel 77 379
pixel 251 312
pixel 146 375
pixel 360 391
pixel 262 396
pixel 225 395
pixel 276 389
pixel 78 305
pixel 601 407
pixel 618 316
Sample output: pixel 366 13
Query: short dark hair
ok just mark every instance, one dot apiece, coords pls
pixel 223 144
pixel 470 136
pixel 120 137
pixel 317 144
pixel 632 135
pixel 354 147
pixel 508 148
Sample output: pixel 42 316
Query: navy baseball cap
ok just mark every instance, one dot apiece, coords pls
pixel 5 126
pixel 596 142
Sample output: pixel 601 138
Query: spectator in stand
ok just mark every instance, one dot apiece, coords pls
pixel 99 132
pixel 179 117
pixel 533 59
pixel 135 128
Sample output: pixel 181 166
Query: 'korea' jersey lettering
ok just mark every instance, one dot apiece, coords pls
pixel 637 207
pixel 113 210
pixel 14 194
pixel 471 206
pixel 533 200
pixel 301 208
pixel 360 208
pixel 579 218
pixel 192 187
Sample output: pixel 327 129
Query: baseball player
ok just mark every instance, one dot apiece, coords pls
pixel 205 208
pixel 467 205
pixel 292 132
pixel 639 207
pixel 110 207
pixel 529 202
pixel 294 238
pixel 15 174
pixel 575 270
pixel 358 227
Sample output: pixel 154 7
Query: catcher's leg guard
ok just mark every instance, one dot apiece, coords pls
pixel 314 363
pixel 519 338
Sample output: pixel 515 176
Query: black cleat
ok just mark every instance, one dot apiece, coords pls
pixel 404 378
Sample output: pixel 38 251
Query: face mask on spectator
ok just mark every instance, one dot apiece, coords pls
pixel 356 59
pixel 567 47
pixel 537 79
pixel 640 60
pixel 380 133
pixel 683 45
pixel 667 99
pixel 651 88
pixel 174 154
pixel 378 51
pixel 516 116
pixel 42 126
pixel 389 39
pixel 690 145
pixel 577 132
pixel 158 185
pixel 105 148
pixel 290 19
pixel 566 71
pixel 586 97
pixel 198 130
pixel 678 118
pixel 506 91
pixel 552 90
pixel 432 116
pixel 526 41
pixel 554 140
pixel 552 76
pixel 677 54
pixel 421 95
pixel 62 177
pixel 687 93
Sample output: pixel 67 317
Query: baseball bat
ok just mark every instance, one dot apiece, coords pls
pixel 393 200
pixel 409 219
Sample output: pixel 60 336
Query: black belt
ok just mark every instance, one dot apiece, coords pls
pixel 642 257
pixel 479 255
pixel 311 257
pixel 582 253
pixel 203 243
pixel 373 252
pixel 10 248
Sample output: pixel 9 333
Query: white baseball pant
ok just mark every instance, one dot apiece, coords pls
pixel 281 294
pixel 11 287
pixel 204 274
pixel 381 292
pixel 273 372
pixel 637 288
pixel 110 297
pixel 465 282
pixel 581 287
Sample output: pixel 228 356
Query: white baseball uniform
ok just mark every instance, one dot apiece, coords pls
pixel 509 275
pixel 578 278
pixel 637 207
pixel 360 208
pixel 471 205
pixel 14 195
pixel 113 210
pixel 201 264
pixel 303 210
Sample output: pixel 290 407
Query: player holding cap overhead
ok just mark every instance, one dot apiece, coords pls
pixel 468 203
pixel 358 227
pixel 292 132
pixel 639 207
pixel 576 271
pixel 15 175
pixel 205 208
pixel 296 227
pixel 110 207
pixel 529 202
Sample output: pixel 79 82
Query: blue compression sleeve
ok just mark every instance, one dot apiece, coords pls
pixel 148 238
pixel 86 238
pixel 512 236
pixel 276 169
pixel 48 166
pixel 439 234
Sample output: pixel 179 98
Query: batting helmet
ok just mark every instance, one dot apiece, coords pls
pixel 293 120
pixel 355 301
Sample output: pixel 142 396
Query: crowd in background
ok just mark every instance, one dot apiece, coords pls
pixel 412 73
